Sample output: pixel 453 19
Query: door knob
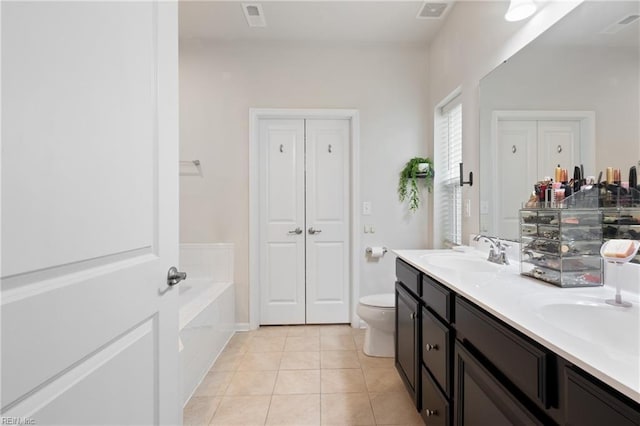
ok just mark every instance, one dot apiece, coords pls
pixel 296 231
pixel 412 315
pixel 174 276
pixel 314 231
pixel 430 413
pixel 429 347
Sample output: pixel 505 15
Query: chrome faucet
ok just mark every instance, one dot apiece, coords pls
pixel 497 251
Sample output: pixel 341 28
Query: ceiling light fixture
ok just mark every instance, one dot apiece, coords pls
pixel 519 10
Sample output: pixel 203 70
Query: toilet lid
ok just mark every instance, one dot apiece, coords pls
pixel 386 300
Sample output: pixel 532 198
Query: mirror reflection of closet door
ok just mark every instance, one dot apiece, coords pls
pixel 520 143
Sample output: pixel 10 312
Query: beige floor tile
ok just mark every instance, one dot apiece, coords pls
pixel 272 330
pixel 304 330
pixel 337 343
pixel 214 383
pixel 342 381
pixel 227 362
pixel 367 361
pixel 339 359
pixel 394 408
pixel 359 341
pixel 199 410
pixel 343 409
pixel 266 344
pixel 242 410
pixel 335 330
pixel 260 361
pixel 383 380
pixel 302 343
pixel 297 382
pixel 294 410
pixel 252 383
pixel 300 361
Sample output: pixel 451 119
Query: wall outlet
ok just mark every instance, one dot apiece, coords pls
pixel 366 208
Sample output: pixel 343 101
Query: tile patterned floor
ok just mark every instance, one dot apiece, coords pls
pixel 300 375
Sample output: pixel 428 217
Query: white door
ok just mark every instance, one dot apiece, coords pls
pixel 304 244
pixel 529 150
pixel 282 237
pixel 517 144
pixel 89 213
pixel 558 143
pixel 327 248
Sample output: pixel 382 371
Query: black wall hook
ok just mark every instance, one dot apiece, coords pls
pixel 462 182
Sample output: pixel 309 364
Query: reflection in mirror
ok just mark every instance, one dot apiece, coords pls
pixel 571 97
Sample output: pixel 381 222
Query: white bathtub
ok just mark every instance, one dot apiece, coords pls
pixel 207 314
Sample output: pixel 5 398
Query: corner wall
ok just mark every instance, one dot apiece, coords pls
pixel 219 82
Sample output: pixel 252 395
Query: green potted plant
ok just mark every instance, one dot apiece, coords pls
pixel 415 168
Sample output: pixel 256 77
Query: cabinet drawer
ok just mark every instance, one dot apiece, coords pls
pixel 590 404
pixel 435 408
pixel 523 363
pixel 437 297
pixel 408 275
pixel 436 349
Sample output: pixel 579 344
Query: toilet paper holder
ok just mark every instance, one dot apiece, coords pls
pixel 369 250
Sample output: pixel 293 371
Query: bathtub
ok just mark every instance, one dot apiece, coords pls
pixel 206 316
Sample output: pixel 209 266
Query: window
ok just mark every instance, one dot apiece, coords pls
pixel 448 156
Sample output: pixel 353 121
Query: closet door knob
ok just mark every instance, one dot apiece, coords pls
pixel 314 231
pixel 430 413
pixel 412 315
pixel 296 231
pixel 429 347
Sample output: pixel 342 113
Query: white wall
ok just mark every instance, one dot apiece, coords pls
pixel 220 82
pixel 473 41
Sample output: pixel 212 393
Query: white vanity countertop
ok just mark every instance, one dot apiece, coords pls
pixel 607 347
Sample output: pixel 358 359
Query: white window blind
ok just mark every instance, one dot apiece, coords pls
pixel 447 168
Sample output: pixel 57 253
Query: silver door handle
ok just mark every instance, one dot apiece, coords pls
pixel 429 347
pixel 412 315
pixel 430 413
pixel 296 231
pixel 174 276
pixel 314 231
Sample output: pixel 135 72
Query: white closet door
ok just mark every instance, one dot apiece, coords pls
pixel 89 213
pixel 327 203
pixel 558 143
pixel 517 141
pixel 282 237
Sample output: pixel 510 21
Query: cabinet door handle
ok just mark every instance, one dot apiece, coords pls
pixel 429 347
pixel 412 315
pixel 296 231
pixel 430 413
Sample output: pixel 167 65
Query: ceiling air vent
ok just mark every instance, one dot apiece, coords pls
pixel 431 10
pixel 620 24
pixel 254 14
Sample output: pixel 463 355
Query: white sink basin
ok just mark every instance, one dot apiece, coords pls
pixel 462 262
pixel 591 319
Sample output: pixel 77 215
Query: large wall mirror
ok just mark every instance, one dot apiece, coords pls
pixel 571 97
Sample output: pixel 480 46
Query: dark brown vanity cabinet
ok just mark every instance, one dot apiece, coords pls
pixel 464 366
pixel 589 403
pixel 437 339
pixel 407 337
pixel 481 399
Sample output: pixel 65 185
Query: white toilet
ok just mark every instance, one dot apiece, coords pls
pixel 378 311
